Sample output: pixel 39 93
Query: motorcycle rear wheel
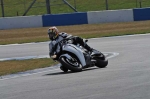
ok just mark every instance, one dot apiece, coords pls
pixel 101 62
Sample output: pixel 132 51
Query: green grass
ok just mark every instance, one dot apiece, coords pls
pixel 10 67
pixel 12 7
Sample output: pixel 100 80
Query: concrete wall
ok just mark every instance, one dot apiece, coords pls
pixel 91 17
pixel 110 16
pixel 20 22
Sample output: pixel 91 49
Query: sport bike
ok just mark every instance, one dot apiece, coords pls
pixel 76 57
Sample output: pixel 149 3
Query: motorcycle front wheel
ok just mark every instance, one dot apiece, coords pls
pixel 73 64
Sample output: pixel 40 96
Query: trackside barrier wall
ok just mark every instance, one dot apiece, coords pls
pixel 110 16
pixel 64 19
pixel 92 17
pixel 20 22
pixel 141 14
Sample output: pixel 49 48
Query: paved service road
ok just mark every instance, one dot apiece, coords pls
pixel 126 77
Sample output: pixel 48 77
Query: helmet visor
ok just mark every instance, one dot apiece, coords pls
pixel 51 35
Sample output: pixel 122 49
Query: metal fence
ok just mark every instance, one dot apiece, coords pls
pixel 9 8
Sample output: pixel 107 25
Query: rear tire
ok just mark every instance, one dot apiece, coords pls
pixel 66 64
pixel 101 61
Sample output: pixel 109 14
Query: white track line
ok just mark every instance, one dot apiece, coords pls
pixel 24 58
pixel 23 75
pixel 114 54
pixel 147 34
pixel 24 43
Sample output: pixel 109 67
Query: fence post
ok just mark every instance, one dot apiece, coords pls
pixel 48 7
pixel 140 2
pixel 2 5
pixel 106 1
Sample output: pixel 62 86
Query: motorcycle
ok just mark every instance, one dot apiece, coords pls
pixel 76 57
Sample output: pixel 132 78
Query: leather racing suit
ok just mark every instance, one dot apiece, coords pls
pixel 55 46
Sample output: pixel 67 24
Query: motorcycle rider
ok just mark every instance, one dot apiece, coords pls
pixel 54 46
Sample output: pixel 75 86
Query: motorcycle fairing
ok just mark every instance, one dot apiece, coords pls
pixel 75 50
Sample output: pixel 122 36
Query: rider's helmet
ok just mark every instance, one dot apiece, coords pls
pixel 53 33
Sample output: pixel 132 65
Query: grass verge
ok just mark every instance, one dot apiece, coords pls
pixel 27 35
pixel 10 67
pixel 40 34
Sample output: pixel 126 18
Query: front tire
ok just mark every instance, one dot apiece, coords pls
pixel 74 66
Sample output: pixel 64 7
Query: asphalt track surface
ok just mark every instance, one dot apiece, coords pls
pixel 126 77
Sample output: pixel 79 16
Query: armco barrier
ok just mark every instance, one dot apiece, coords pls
pixel 20 22
pixel 141 14
pixel 110 16
pixel 64 19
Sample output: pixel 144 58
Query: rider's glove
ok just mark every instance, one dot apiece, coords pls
pixel 54 56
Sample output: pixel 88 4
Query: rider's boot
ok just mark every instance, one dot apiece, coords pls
pixel 88 48
pixel 91 50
